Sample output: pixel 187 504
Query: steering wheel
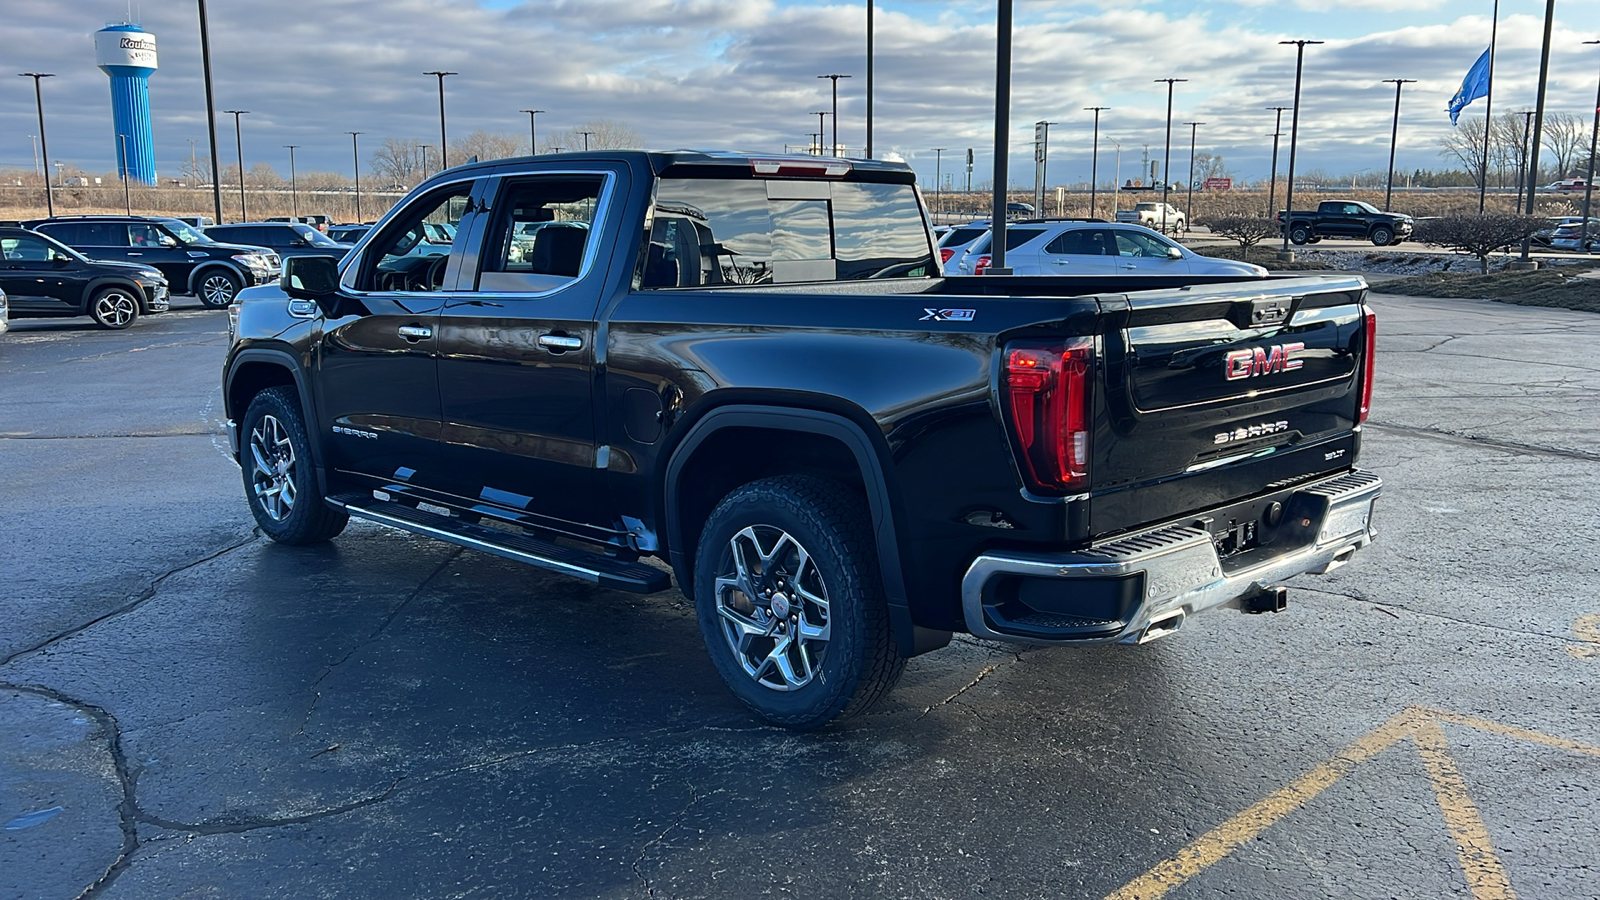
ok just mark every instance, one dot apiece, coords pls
pixel 433 280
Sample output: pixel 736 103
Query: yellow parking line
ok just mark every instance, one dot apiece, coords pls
pixel 1485 875
pixel 1227 837
pixel 1523 734
pixel 1586 629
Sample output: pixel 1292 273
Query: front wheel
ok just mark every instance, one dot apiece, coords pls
pixel 1299 234
pixel 790 602
pixel 279 481
pixel 114 308
pixel 218 288
pixel 1382 237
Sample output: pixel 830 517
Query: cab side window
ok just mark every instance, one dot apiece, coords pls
pixel 26 249
pixel 542 233
pixel 1132 243
pixel 1081 242
pixel 413 251
pixel 141 234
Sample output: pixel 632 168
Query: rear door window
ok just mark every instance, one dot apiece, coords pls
pixel 543 238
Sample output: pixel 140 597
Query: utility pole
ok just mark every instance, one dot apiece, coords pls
pixel 1166 158
pixel 1294 131
pixel 1188 206
pixel 238 141
pixel 294 186
pixel 1394 135
pixel 835 80
pixel 1272 188
pixel 444 151
pixel 1094 157
pixel 533 134
pixel 356 156
pixel 44 147
pixel 211 114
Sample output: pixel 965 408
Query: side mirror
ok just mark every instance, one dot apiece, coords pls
pixel 310 277
pixel 167 240
pixel 1174 253
pixel 61 262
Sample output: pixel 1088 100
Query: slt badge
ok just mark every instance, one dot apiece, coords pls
pixel 948 315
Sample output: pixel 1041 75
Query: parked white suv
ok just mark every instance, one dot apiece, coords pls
pixel 1159 216
pixel 1097 248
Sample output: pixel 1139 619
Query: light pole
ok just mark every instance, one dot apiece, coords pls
pixel 1394 135
pixel 294 186
pixel 1538 120
pixel 870 4
pixel 586 139
pixel 1188 205
pixel 211 114
pixel 1522 167
pixel 1588 183
pixel 425 148
pixel 1488 106
pixel 1002 142
pixel 1294 132
pixel 127 198
pixel 1044 167
pixel 1094 157
pixel 938 161
pixel 822 130
pixel 444 151
pixel 1166 159
pixel 238 142
pixel 1272 188
pixel 835 80
pixel 38 98
pixel 533 134
pixel 355 155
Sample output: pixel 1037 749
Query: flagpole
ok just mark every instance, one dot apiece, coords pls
pixel 1488 107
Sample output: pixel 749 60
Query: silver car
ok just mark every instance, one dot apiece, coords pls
pixel 1098 248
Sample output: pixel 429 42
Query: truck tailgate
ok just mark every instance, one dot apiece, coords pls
pixel 1214 393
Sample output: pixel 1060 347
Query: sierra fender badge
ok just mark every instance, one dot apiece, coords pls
pixel 353 432
pixel 948 315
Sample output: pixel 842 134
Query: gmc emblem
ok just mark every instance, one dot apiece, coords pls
pixel 1242 364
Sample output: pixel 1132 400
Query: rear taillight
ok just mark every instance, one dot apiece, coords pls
pixel 1368 367
pixel 1047 395
pixel 945 253
pixel 982 264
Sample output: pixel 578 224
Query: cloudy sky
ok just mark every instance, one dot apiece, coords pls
pixel 741 74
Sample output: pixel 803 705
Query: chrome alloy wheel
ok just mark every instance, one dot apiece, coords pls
pixel 217 290
pixel 773 608
pixel 272 480
pixel 115 308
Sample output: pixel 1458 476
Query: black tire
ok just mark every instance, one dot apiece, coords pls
pixel 858 662
pixel 1382 236
pixel 114 307
pixel 1315 239
pixel 1299 234
pixel 280 482
pixel 217 288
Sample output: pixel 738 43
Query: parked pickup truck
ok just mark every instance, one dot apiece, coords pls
pixel 750 368
pixel 1347 219
pixel 1158 216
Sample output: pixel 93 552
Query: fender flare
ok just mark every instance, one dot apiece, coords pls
pixel 911 639
pixel 200 270
pixel 284 360
pixel 104 281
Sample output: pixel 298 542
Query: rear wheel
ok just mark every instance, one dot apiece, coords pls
pixel 218 287
pixel 791 604
pixel 1299 234
pixel 279 480
pixel 114 308
pixel 1382 236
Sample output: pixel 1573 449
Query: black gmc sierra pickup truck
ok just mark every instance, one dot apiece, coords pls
pixel 1346 219
pixel 749 368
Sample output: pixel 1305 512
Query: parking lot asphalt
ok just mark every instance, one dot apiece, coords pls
pixel 187 710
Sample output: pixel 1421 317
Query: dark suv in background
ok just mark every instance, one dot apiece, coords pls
pixel 193 263
pixel 45 278
pixel 283 238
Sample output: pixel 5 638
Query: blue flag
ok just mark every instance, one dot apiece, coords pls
pixel 1475 85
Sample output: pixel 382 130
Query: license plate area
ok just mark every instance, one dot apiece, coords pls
pixel 1233 537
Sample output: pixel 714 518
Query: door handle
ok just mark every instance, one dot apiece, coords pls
pixel 560 343
pixel 1129 266
pixel 414 333
pixel 1060 262
pixel 135 254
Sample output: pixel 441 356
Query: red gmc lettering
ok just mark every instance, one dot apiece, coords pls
pixel 1241 364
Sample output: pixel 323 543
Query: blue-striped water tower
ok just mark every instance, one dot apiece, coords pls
pixel 128 54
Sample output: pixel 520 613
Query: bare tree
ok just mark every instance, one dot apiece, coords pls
pixel 1246 230
pixel 485 145
pixel 1479 236
pixel 262 175
pixel 1465 145
pixel 1207 165
pixel 1567 138
pixel 398 161
pixel 603 134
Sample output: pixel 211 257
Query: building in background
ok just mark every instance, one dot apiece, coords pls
pixel 127 53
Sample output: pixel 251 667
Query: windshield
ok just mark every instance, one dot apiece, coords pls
pixel 1367 207
pixel 185 232
pixel 314 237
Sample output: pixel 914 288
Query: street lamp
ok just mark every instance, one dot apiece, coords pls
pixel 444 152
pixel 835 79
pixel 1002 135
pixel 1094 156
pixel 1188 206
pixel 294 187
pixel 1522 168
pixel 1166 159
pixel 127 198
pixel 1538 121
pixel 938 161
pixel 533 134
pixel 1394 135
pixel 239 143
pixel 822 129
pixel 1588 183
pixel 1043 176
pixel 1294 131
pixel 211 114
pixel 38 97
pixel 356 156
pixel 1272 188
pixel 870 4
pixel 585 139
pixel 1116 179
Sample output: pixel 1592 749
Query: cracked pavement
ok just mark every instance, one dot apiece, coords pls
pixel 215 715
